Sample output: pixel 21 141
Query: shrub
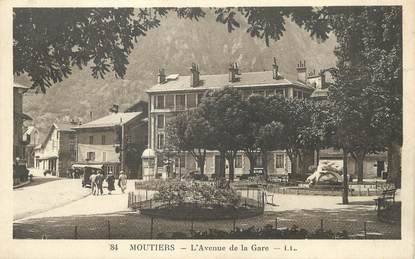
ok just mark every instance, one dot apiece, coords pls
pixel 176 192
pixel 269 232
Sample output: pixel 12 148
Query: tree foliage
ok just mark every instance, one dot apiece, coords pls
pixel 49 42
pixel 190 132
pixel 367 89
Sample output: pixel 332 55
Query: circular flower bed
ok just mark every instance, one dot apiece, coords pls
pixel 194 200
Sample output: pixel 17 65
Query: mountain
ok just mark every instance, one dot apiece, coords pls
pixel 174 46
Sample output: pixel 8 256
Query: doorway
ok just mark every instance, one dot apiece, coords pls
pixel 380 168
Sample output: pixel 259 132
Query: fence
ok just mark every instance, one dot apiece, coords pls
pixel 263 227
pixel 143 199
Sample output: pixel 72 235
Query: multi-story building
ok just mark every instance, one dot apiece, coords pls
pixel 18 118
pixel 113 142
pixel 32 138
pixel 19 168
pixel 176 93
pixel 57 152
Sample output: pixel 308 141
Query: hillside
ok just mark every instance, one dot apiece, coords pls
pixel 174 46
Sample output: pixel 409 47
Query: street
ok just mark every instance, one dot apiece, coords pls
pixel 45 193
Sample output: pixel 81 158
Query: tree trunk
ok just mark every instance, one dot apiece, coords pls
pixel 201 165
pixel 345 195
pixel 359 162
pixel 230 156
pixel 251 157
pixel 222 164
pixel 394 164
pixel 231 169
pixel 359 158
pixel 265 163
pixel 292 160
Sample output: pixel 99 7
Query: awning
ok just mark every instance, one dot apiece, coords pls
pixel 96 166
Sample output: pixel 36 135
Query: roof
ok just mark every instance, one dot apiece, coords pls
pixel 17 85
pixel 110 120
pixel 64 126
pixel 29 130
pixel 248 79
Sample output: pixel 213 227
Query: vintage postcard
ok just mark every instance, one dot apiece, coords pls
pixel 219 129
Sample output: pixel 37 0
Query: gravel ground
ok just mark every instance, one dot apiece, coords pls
pixel 46 193
pixel 131 225
pixel 90 217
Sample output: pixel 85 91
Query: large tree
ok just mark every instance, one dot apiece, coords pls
pixel 190 132
pixel 258 116
pixel 368 80
pixel 226 114
pixel 296 116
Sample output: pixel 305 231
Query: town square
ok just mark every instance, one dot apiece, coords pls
pixel 208 123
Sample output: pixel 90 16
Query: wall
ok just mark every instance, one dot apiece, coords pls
pixel 66 155
pixel 17 123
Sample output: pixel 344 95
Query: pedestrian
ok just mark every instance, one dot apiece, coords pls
pixel 93 179
pixel 100 181
pixel 122 181
pixel 110 181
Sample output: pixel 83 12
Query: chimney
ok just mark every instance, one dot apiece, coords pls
pixel 233 71
pixel 114 108
pixel 275 69
pixel 194 77
pixel 161 78
pixel 301 72
pixel 90 116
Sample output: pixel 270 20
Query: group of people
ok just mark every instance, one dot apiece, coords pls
pixel 97 180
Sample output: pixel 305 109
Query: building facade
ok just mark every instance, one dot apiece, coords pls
pixel 113 143
pixel 57 152
pixel 18 118
pixel 32 138
pixel 175 93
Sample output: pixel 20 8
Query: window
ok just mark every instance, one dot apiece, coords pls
pixel 279 161
pixel 90 156
pixel 182 162
pixel 169 101
pixel 180 102
pixel 103 139
pixel 258 161
pixel 160 121
pixel 128 139
pixel 238 161
pixel 91 140
pixel 191 100
pixel 160 141
pixel 160 102
pixel 298 94
pixel 280 92
pixel 269 92
pixel 199 98
pixel 104 156
pixel 259 92
pixel 72 148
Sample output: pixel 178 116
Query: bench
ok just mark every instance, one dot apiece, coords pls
pixel 385 199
